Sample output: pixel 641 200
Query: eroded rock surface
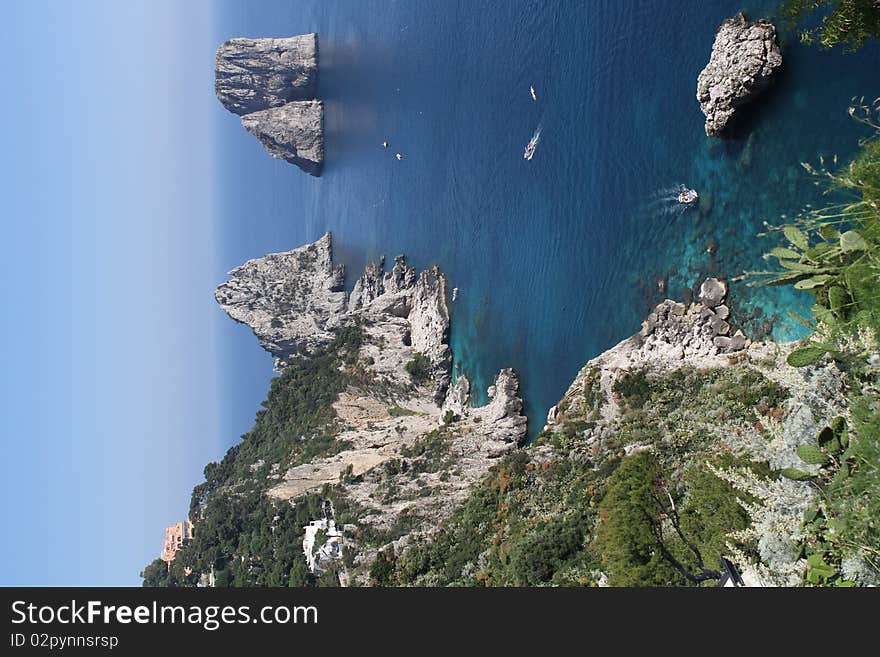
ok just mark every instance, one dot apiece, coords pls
pixel 744 60
pixel 256 74
pixel 272 84
pixel 291 300
pixel 293 132
pixel 410 447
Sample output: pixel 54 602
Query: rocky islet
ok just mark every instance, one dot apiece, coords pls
pixel 743 63
pixel 272 85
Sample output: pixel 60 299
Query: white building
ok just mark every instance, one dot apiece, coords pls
pixel 318 556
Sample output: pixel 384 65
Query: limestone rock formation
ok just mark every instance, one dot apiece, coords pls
pixel 683 375
pixel 409 447
pixel 271 84
pixel 256 74
pixel 292 132
pixel 295 301
pixel 701 335
pixel 425 491
pixel 291 300
pixel 745 57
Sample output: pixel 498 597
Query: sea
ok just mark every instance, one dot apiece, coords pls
pixel 557 258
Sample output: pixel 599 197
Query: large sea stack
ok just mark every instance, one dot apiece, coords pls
pixel 744 59
pixel 271 84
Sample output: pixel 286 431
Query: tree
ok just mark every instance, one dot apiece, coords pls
pixel 155 574
pixel 382 570
pixel 849 23
pixel 299 574
pixel 641 532
pixel 419 368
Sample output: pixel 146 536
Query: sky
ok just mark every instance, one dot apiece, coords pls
pixel 110 390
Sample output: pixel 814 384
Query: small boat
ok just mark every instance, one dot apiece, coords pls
pixel 454 293
pixel 534 95
pixel 688 196
pixel 529 153
pixel 384 144
pixel 398 156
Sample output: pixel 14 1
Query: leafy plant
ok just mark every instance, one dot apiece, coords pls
pixel 794 473
pixel 806 356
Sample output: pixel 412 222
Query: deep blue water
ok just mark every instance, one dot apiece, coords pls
pixel 558 258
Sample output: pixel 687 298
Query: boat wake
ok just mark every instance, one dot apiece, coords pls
pixel 671 200
pixel 529 152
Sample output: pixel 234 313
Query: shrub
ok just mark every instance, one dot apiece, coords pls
pixel 397 411
pixel 634 387
pixel 419 369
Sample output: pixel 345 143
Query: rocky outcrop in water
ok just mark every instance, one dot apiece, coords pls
pixel 691 390
pixel 701 335
pixel 292 132
pixel 255 74
pixel 745 57
pixel 272 84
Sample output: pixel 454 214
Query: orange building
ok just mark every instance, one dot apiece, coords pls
pixel 174 538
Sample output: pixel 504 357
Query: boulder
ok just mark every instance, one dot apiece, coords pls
pixel 713 292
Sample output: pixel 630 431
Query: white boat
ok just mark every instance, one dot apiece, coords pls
pixel 688 196
pixel 454 293
pixel 529 152
pixel 398 156
pixel 384 144
pixel 532 91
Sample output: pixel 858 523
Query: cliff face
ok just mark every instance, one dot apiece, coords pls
pixel 291 300
pixel 292 132
pixel 256 74
pixel 686 418
pixel 272 84
pixel 294 301
pixel 405 448
pixel 744 60
pixel 681 430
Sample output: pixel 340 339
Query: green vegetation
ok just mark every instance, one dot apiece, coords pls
pixel 647 538
pixel 156 574
pixel 561 521
pixel 397 411
pixel 247 541
pixel 419 369
pixel 834 253
pixel 634 388
pixel 296 424
pixel 429 453
pixel 246 538
pixel 847 23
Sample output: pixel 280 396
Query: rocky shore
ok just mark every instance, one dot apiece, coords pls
pixel 294 302
pixel 694 354
pixel 272 85
pixel 744 60
pixel 404 461
pixel 412 445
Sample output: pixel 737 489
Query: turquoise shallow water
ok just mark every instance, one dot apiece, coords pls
pixel 558 258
